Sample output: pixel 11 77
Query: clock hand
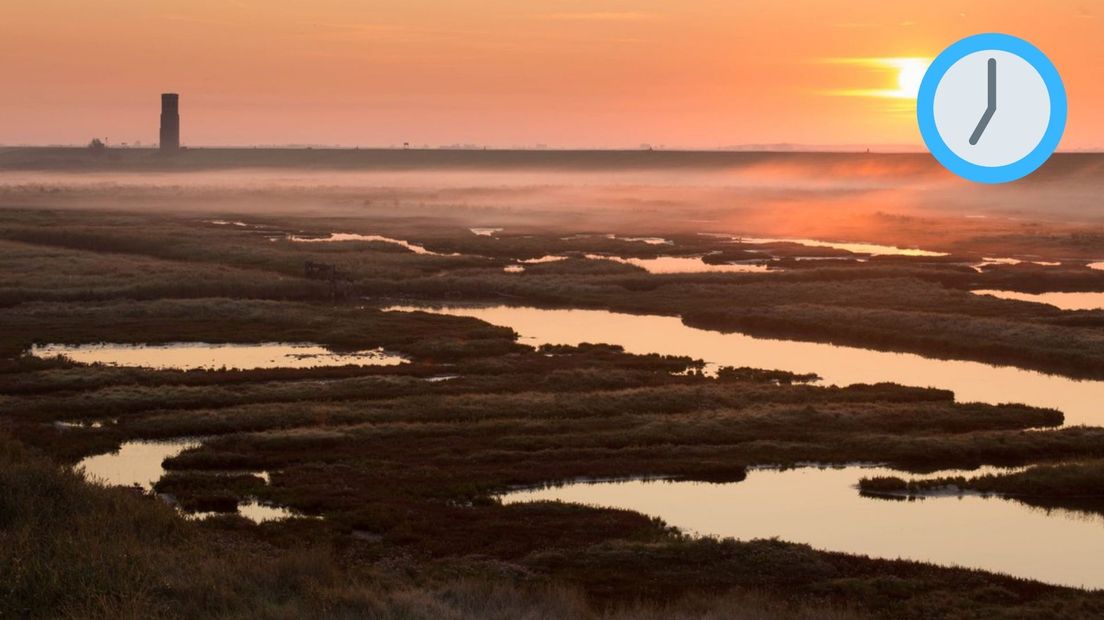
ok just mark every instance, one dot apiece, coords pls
pixel 991 108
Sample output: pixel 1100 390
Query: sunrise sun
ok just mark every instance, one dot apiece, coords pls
pixel 910 72
pixel 905 73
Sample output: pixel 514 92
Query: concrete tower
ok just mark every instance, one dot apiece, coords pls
pixel 170 122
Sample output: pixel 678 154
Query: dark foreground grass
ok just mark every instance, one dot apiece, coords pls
pixel 72 550
pixel 78 551
pixel 891 589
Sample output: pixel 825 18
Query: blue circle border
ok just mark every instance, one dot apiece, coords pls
pixel 925 104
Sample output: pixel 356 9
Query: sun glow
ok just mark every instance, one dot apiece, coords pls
pixel 908 71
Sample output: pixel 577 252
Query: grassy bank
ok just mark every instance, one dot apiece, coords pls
pixel 1077 485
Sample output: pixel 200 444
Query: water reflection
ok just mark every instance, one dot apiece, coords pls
pixel 135 463
pixel 335 237
pixel 544 259
pixel 1065 301
pixel 195 355
pixel 255 511
pixel 823 508
pixel 647 240
pixel 1081 401
pixel 64 425
pixel 988 262
pixel 683 264
pixel 138 464
pixel 873 249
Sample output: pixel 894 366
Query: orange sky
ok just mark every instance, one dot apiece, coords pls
pixel 702 74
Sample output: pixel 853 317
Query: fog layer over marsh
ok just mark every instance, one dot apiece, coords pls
pixel 814 194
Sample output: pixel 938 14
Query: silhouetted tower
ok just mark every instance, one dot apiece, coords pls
pixel 170 122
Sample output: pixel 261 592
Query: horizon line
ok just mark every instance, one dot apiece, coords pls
pixel 885 149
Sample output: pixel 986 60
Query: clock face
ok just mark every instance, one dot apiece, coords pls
pixel 991 108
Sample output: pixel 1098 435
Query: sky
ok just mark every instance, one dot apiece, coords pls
pixel 503 73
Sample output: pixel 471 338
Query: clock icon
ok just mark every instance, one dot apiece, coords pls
pixel 991 108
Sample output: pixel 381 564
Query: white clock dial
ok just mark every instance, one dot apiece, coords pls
pixel 1006 131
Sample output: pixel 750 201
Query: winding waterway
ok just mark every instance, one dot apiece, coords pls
pixel 1082 402
pixel 823 508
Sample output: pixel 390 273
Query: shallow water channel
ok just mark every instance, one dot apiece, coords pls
pixel 1065 301
pixel 823 508
pixel 872 249
pixel 339 237
pixel 1082 402
pixel 684 264
pixel 139 464
pixel 193 355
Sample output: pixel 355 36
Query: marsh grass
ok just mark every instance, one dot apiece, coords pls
pixel 415 465
pixel 45 273
pixel 420 335
pixel 921 305
pixel 1077 485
